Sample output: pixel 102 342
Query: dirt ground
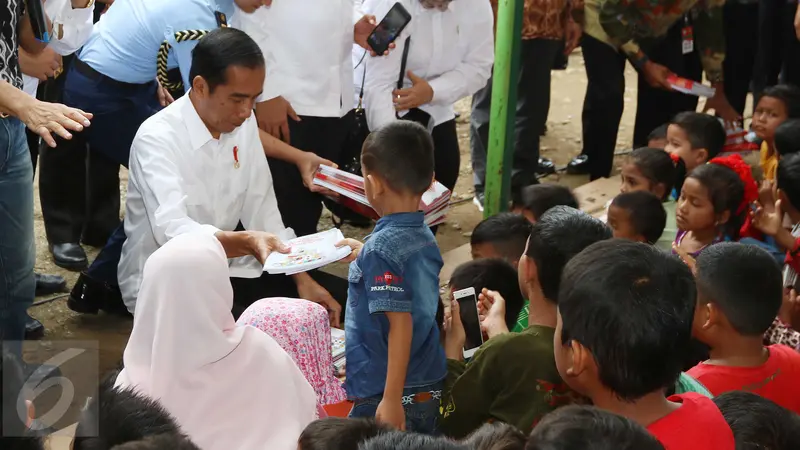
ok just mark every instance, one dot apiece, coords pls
pixel 563 141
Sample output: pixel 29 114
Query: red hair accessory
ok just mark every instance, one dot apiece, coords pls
pixel 742 169
pixel 675 158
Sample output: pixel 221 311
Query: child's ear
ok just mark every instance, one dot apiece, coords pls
pixel 582 359
pixel 659 190
pixel 702 316
pixel 723 218
pixel 376 184
pixel 701 156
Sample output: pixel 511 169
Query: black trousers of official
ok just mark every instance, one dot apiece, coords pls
pixel 741 49
pixel 778 47
pixel 604 101
pixel 79 191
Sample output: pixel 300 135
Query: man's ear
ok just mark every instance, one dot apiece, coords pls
pixel 199 85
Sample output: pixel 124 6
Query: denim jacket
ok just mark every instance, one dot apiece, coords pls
pixel 396 271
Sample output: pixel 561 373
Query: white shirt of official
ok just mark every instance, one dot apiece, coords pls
pixel 76 26
pixel 182 180
pixel 307 45
pixel 453 50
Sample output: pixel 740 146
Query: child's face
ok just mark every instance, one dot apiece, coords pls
pixel 633 180
pixel 678 143
pixel 695 210
pixel 619 220
pixel 770 112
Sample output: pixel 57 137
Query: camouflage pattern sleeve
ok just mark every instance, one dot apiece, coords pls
pixel 576 11
pixel 616 18
pixel 710 38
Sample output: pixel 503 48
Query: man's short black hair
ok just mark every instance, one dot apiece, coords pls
pixel 14 433
pixel 401 153
pixel 120 415
pixel 789 95
pixel 647 214
pixel 220 49
pixel 506 232
pixel 560 234
pixel 758 423
pixel 745 282
pixel 788 178
pixel 656 165
pixel 538 198
pixel 496 436
pixel 405 440
pixel 703 131
pixel 632 306
pixel 337 433
pixel 494 274
pixel 586 427
pixel 167 441
pixel 787 137
pixel 660 132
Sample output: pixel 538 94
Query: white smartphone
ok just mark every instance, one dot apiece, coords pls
pixel 468 304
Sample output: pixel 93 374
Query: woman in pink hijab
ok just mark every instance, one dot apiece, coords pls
pixel 229 387
pixel 303 329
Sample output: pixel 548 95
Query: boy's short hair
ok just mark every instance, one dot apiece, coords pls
pixel 494 274
pixel 120 415
pixel 586 427
pixel 401 153
pixel 506 232
pixel 656 165
pixel 14 433
pixel 702 130
pixel 758 423
pixel 646 211
pixel 789 95
pixel 338 433
pixel 632 306
pixel 538 198
pixel 659 133
pixel 745 282
pixel 405 440
pixel 167 441
pixel 496 436
pixel 560 234
pixel 787 137
pixel 788 178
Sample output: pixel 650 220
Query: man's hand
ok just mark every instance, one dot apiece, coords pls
pixel 250 243
pixel 164 97
pixel 273 117
pixel 573 36
pixel 719 103
pixel 420 93
pixel 46 118
pixel 308 164
pixel 310 290
pixel 363 29
pixel 354 245
pixel 492 312
pixel 390 412
pixel 41 66
pixel 656 75
pixel 455 336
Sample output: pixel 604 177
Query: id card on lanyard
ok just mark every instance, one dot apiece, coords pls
pixel 687 36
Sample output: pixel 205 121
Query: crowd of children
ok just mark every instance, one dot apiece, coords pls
pixel 670 326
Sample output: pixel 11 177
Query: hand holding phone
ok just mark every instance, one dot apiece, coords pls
pixel 468 312
pixel 38 18
pixel 388 29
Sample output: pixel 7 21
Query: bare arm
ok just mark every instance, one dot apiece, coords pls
pixel 26 38
pixel 12 100
pixel 390 411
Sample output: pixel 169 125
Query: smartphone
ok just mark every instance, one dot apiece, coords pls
pixel 468 304
pixel 36 14
pixel 389 29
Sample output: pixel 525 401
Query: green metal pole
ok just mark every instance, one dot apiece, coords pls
pixel 504 106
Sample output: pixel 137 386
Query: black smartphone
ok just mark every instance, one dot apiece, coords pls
pixel 36 15
pixel 389 29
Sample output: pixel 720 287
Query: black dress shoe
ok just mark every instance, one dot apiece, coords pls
pixel 90 295
pixel 546 167
pixel 34 330
pixel 579 165
pixel 69 256
pixel 49 284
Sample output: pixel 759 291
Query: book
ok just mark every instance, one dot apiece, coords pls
pixel 435 202
pixel 690 87
pixel 308 253
pixel 337 344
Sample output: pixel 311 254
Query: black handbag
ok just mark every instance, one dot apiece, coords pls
pixel 350 156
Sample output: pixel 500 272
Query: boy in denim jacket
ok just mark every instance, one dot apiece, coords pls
pixel 395 364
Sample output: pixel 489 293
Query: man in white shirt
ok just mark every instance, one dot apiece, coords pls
pixel 308 97
pixel 199 166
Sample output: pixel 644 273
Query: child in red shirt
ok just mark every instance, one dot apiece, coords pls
pixel 740 290
pixel 623 329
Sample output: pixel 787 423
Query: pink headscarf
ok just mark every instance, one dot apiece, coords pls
pixel 303 329
pixel 228 387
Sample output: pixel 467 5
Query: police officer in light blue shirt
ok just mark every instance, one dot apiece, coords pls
pixel 120 76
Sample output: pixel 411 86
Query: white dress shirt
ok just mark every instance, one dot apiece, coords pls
pixel 453 50
pixel 307 45
pixel 182 180
pixel 75 26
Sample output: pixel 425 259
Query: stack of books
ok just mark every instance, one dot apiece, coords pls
pixel 690 87
pixel 337 348
pixel 435 202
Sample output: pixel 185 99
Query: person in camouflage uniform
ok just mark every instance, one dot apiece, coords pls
pixel 660 38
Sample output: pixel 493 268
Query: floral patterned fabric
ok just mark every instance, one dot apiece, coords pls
pixel 302 329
